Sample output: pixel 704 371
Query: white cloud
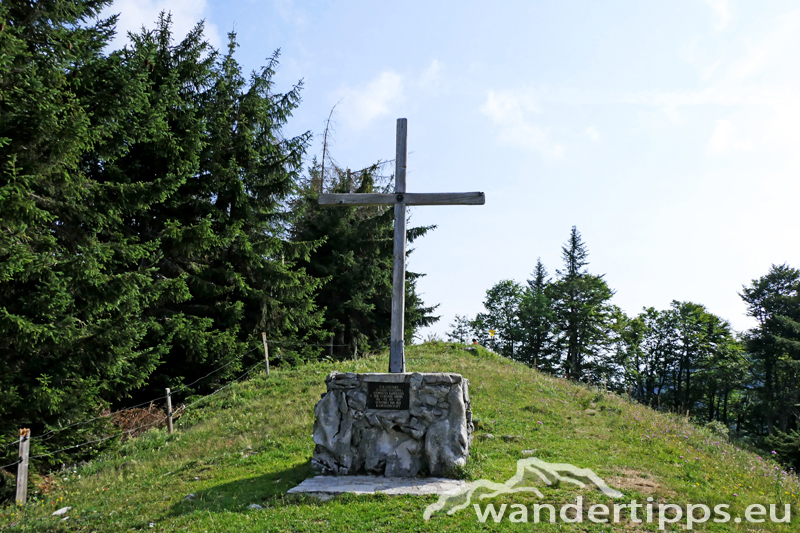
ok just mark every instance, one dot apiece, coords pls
pixel 762 83
pixel 709 70
pixel 430 76
pixel 507 111
pixel 503 106
pixel 783 128
pixel 774 54
pixel 751 83
pixel 760 86
pixel 360 106
pixel 592 133
pixel 721 138
pixel 133 14
pixel 286 9
pixel 722 11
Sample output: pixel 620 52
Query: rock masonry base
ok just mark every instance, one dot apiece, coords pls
pixel 356 434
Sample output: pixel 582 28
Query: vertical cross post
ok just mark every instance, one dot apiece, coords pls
pixel 22 467
pixel 400 198
pixel 397 360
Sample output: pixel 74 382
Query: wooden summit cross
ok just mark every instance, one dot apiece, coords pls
pixel 400 199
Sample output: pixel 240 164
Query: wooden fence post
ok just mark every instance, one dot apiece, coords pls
pixel 355 350
pixel 330 352
pixel 266 350
pixel 169 411
pixel 22 467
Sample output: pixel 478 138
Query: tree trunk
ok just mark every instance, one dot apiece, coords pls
pixel 768 385
pixel 711 406
pixel 688 391
pixel 725 407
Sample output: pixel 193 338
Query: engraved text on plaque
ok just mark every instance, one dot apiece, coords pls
pixel 388 395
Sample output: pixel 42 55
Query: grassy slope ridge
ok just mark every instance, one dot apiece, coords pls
pixel 253 444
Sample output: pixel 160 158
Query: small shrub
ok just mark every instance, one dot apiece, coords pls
pixel 786 447
pixel 719 429
pixel 8 486
pixel 584 400
pixel 535 409
pixel 461 472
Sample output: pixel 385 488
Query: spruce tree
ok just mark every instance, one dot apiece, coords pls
pixel 145 226
pixel 355 259
pixel 581 311
pixel 221 227
pixel 459 330
pixel 536 321
pixel 73 283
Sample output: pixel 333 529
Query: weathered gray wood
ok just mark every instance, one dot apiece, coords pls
pixel 355 351
pixel 445 198
pixel 345 199
pixel 400 199
pixel 411 198
pixel 169 411
pixel 266 350
pixel 397 359
pixel 22 466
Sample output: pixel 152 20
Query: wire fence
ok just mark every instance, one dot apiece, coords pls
pixel 53 432
pixel 237 380
pixel 285 344
pixel 75 446
pixel 131 431
pixel 184 387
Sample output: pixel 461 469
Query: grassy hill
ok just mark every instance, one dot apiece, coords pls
pixel 252 444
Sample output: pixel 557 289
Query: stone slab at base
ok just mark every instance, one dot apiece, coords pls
pixel 394 425
pixel 325 487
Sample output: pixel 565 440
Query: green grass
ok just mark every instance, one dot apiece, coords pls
pixel 252 444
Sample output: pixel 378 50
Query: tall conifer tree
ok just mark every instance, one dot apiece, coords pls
pixel 222 229
pixel 355 260
pixel 536 321
pixel 73 283
pixel 580 309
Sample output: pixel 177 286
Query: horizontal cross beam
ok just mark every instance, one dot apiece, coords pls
pixel 409 198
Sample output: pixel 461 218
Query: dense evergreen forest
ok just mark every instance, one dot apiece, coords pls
pixel 682 359
pixel 155 220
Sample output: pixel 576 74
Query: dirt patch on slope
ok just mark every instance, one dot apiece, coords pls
pixel 642 482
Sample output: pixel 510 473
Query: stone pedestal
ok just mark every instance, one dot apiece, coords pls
pixel 396 425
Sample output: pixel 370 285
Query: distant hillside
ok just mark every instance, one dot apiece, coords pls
pixel 252 444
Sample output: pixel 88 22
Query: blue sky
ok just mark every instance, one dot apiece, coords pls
pixel 667 132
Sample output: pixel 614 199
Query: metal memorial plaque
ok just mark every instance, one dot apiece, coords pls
pixel 388 395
